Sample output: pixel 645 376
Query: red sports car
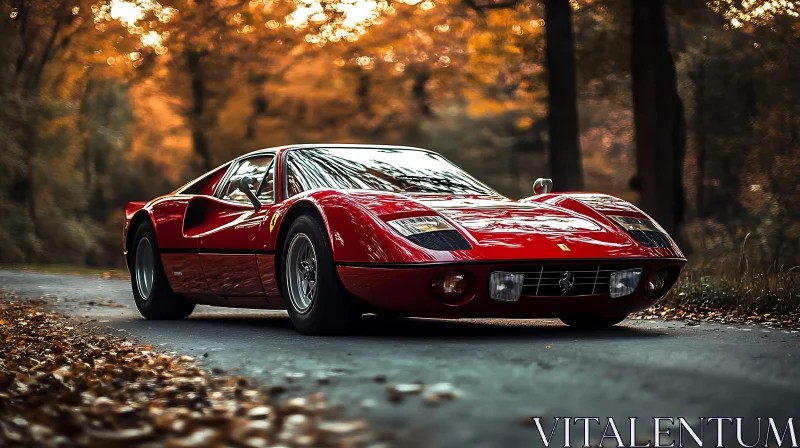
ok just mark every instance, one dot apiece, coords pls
pixel 329 232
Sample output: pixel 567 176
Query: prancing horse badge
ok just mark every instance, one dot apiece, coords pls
pixel 273 220
pixel 566 282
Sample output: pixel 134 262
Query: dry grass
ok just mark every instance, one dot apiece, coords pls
pixel 738 281
pixel 726 285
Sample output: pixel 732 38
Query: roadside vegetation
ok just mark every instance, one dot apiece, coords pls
pixel 726 285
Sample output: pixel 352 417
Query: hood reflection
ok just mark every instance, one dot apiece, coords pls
pixel 503 216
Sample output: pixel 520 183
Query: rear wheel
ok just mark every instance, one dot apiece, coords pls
pixel 592 322
pixel 151 291
pixel 315 298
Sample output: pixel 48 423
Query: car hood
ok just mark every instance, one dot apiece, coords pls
pixel 508 229
pixel 502 229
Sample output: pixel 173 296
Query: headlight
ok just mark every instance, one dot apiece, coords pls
pixel 629 223
pixel 430 232
pixel 421 224
pixel 506 286
pixel 644 231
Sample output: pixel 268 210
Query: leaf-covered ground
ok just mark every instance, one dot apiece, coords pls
pixel 61 384
pixel 693 314
pixel 767 298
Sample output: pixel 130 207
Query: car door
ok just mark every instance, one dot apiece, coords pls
pixel 228 248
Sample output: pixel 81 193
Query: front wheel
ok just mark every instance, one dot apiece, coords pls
pixel 151 291
pixel 592 323
pixel 315 298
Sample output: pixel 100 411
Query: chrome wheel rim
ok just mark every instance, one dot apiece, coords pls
pixel 145 268
pixel 301 271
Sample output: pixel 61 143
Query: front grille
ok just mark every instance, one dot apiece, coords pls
pixel 549 280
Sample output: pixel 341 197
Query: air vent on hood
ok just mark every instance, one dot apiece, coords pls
pixel 441 240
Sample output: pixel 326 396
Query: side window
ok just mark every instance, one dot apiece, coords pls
pixel 257 167
pixel 295 181
pixel 294 184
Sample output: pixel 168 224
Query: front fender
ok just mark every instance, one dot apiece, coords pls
pixel 600 207
pixel 356 226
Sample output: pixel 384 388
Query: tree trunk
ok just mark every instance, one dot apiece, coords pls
pixel 84 120
pixel 562 113
pixel 23 188
pixel 196 115
pixel 260 106
pixel 34 78
pixel 658 116
pixel 363 92
pixel 419 91
pixel 699 81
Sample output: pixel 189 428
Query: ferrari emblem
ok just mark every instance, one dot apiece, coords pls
pixel 563 247
pixel 566 282
pixel 273 220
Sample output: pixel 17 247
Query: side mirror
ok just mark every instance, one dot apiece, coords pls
pixel 542 185
pixel 246 185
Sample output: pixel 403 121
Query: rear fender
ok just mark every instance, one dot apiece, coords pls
pixel 135 214
pixel 165 211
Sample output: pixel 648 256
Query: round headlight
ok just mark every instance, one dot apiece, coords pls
pixel 656 284
pixel 450 287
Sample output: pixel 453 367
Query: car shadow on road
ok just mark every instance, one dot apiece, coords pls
pixel 373 327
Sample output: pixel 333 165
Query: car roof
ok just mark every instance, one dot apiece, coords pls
pixel 279 149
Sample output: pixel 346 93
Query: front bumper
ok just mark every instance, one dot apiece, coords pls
pixel 403 290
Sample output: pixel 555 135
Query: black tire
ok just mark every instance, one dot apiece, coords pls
pixel 332 310
pixel 592 323
pixel 161 303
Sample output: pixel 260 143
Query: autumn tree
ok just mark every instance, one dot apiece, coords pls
pixel 50 57
pixel 564 148
pixel 207 51
pixel 562 113
pixel 36 33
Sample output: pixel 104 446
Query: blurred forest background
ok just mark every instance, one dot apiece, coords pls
pixel 689 108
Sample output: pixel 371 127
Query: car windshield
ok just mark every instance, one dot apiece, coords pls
pixel 386 169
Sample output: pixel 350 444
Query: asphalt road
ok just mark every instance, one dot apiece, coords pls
pixel 505 370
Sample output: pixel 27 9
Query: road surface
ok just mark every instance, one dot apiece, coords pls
pixel 505 371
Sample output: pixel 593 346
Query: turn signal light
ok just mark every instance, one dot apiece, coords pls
pixel 506 286
pixel 450 287
pixel 622 283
